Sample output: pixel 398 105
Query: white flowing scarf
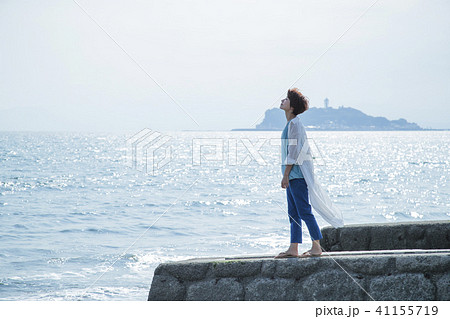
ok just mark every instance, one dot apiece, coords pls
pixel 318 197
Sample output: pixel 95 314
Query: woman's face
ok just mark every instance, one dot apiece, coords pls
pixel 285 104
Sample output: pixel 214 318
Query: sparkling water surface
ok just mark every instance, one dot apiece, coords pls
pixel 79 223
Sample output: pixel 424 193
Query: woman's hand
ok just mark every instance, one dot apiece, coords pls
pixel 285 182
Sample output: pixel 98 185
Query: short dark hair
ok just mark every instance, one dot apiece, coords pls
pixel 298 101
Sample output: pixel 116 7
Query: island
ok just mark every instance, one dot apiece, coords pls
pixel 334 119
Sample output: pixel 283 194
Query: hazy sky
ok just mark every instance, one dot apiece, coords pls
pixel 225 62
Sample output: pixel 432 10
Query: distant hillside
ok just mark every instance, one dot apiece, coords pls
pixel 341 119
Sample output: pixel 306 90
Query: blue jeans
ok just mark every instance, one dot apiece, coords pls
pixel 298 209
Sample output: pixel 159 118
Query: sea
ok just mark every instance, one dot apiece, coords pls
pixel 89 216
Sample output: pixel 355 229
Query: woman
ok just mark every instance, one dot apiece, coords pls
pixel 299 181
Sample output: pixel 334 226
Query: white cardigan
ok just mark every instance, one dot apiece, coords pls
pixel 299 152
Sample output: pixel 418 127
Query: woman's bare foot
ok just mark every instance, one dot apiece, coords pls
pixel 315 250
pixel 287 253
pixel 291 252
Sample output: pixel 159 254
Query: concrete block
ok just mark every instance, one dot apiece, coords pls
pixel 301 267
pixel 387 237
pixel 268 268
pixel 166 288
pixel 443 287
pixel 374 265
pixel 332 285
pixel 223 289
pixel 406 287
pixel 354 238
pixel 271 289
pixel 423 263
pixel 236 269
pixel 187 271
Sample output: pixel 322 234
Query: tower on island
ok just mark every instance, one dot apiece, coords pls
pixel 325 102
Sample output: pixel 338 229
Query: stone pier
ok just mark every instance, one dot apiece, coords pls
pixel 401 261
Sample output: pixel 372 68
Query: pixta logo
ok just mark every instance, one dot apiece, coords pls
pixel 242 151
pixel 144 151
pixel 149 151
